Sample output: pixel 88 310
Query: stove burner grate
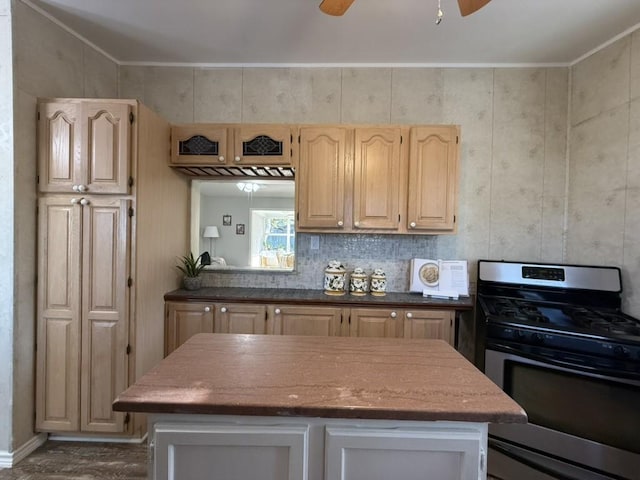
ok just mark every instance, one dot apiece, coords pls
pixel 567 317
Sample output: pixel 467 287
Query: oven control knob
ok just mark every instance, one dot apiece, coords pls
pixel 518 335
pixel 537 338
pixel 620 352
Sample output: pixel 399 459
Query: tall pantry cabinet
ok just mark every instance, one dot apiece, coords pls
pixel 112 219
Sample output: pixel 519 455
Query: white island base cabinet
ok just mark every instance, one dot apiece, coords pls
pixel 198 447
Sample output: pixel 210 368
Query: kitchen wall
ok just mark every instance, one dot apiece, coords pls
pixel 6 233
pixel 514 123
pixel 512 185
pixel 48 62
pixel 604 163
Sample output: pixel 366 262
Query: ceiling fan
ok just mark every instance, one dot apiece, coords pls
pixel 338 7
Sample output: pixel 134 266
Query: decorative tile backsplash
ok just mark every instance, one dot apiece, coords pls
pixel 392 253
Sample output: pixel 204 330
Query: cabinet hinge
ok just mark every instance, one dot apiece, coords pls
pixel 129 282
pixel 131 118
pixel 37 179
pixel 297 216
pixel 399 218
pixel 131 211
pixel 349 319
pixel 130 182
pixel 127 418
pixel 298 138
pixel 38 115
pixel 457 139
pixel 291 137
pixel 454 219
pixel 401 139
pixel 128 349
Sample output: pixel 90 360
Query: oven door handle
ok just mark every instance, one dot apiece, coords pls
pixel 532 460
pixel 596 371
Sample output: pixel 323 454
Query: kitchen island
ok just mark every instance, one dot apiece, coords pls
pixel 294 407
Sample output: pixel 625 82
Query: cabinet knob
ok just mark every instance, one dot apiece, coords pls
pixel 409 315
pixel 75 188
pixel 223 309
pixel 221 158
pixel 208 309
pixel 237 159
pixel 412 224
pixel 277 311
pixel 393 315
pixel 340 223
pixel 356 224
pixel 84 201
pixel 82 188
pixel 75 201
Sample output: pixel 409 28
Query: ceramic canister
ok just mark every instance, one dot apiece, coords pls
pixel 335 278
pixel 378 283
pixel 358 284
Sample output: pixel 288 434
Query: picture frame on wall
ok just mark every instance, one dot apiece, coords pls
pixel 239 228
pixel 226 220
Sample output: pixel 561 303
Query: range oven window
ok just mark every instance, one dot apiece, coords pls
pixel 600 410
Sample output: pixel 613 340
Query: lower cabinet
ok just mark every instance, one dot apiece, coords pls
pixel 438 324
pixel 241 318
pixel 295 320
pixel 191 447
pixel 185 319
pixel 376 322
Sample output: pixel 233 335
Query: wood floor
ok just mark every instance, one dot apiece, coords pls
pixel 81 461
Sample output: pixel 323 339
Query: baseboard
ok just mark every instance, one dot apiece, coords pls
pixel 9 459
pixel 72 438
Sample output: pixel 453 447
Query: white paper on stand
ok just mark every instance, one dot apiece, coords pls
pixel 452 278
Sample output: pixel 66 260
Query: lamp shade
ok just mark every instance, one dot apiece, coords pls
pixel 211 232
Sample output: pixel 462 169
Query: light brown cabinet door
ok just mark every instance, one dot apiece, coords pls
pixel 59 143
pixel 200 144
pixel 376 322
pixel 84 147
pixel 292 320
pixel 376 186
pixel 106 148
pixel 184 320
pixel 432 324
pixel 262 145
pixel 320 192
pixel 82 357
pixel 105 235
pixel 433 174
pixel 241 318
pixel 58 315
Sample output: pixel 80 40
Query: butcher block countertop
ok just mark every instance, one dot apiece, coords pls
pixel 335 377
pixel 315 297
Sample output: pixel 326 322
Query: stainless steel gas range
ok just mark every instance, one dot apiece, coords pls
pixel 555 339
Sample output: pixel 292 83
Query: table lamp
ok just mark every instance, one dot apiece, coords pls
pixel 211 232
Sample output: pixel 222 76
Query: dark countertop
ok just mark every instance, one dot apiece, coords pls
pixel 318 297
pixel 334 377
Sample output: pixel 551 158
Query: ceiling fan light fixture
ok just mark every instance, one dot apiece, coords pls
pixel 439 14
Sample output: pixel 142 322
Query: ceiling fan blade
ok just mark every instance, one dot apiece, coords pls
pixel 335 7
pixel 467 7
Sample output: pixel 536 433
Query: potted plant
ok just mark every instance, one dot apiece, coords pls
pixel 191 268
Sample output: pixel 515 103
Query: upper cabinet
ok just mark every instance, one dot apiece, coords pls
pixel 225 145
pixel 433 178
pixel 349 179
pixel 378 179
pixel 84 147
pixel 320 191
